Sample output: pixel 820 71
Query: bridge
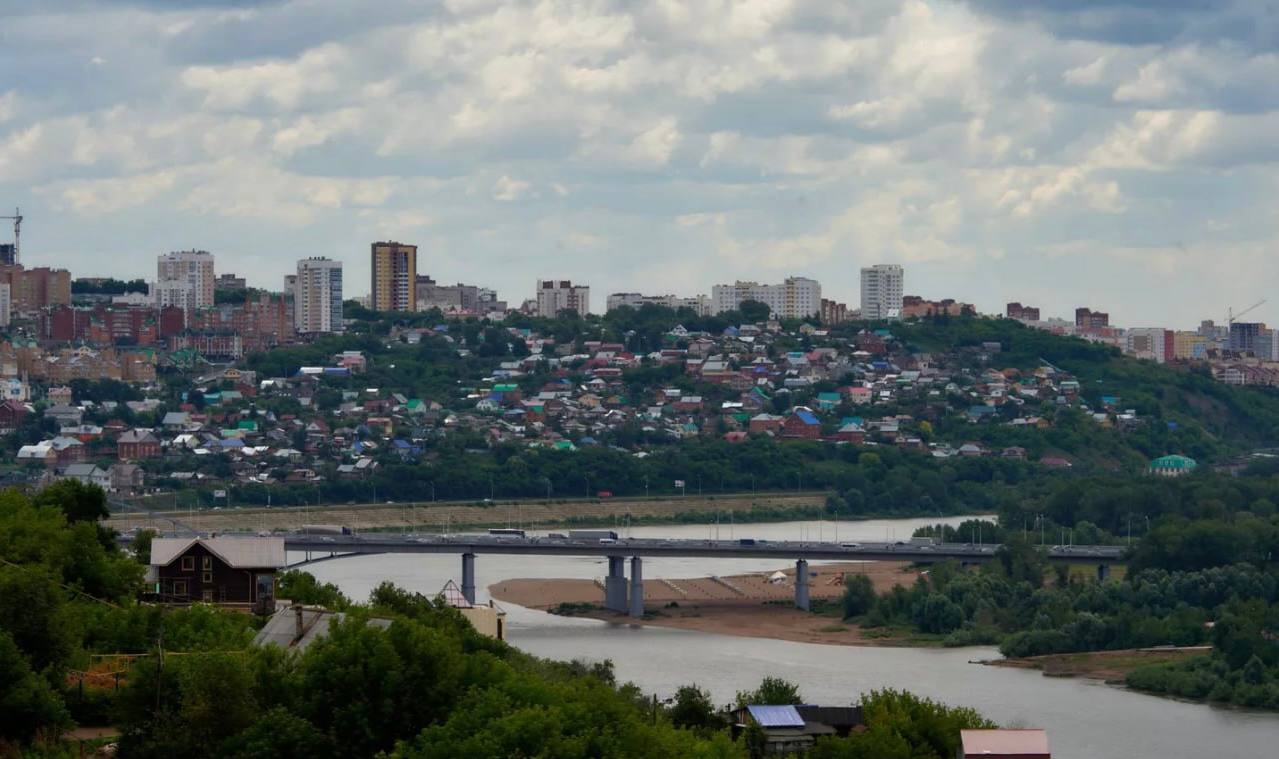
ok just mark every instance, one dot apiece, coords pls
pixel 637 549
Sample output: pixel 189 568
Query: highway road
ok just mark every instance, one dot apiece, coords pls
pixel 655 547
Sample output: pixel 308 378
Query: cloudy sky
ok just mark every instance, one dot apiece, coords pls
pixel 1125 156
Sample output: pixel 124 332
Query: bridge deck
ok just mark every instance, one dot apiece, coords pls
pixel 652 548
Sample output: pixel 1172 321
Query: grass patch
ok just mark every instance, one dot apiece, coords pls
pixel 833 629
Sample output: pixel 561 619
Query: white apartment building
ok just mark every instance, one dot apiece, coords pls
pixel 189 269
pixel 317 296
pixel 1151 343
pixel 556 295
pixel 795 298
pixel 175 292
pixel 700 304
pixel 882 291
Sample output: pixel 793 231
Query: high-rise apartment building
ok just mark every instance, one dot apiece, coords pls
pixel 230 281
pixel 1245 337
pixel 394 277
pixel 317 296
pixel 31 290
pixel 556 295
pixel 1022 313
pixel 833 312
pixel 1188 345
pixel 882 291
pixel 1152 343
pixel 1087 319
pixel 6 304
pixel 191 270
pixel 794 298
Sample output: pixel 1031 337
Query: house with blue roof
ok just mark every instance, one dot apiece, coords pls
pixel 802 424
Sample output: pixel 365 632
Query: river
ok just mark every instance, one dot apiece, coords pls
pixel 1085 719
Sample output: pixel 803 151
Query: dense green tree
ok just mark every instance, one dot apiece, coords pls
pixel 771 690
pixel 33 613
pixel 78 501
pixel 29 707
pixel 858 597
pixel 279 734
pixel 302 587
pixel 694 709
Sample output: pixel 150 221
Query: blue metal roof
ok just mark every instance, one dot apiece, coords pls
pixel 775 716
pixel 807 417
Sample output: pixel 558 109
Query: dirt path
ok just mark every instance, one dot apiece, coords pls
pixel 749 605
pixel 429 516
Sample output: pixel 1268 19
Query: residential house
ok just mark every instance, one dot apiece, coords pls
pixel 39 453
pixel 217 570
pixel 64 415
pixel 761 424
pixel 12 415
pixel 136 445
pixel 802 424
pixel 126 478
pixel 89 474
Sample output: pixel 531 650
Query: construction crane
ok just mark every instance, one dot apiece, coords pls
pixel 1231 316
pixel 17 231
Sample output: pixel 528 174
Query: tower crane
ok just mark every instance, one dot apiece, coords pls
pixel 17 231
pixel 1231 316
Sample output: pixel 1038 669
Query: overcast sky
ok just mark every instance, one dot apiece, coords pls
pixel 1122 157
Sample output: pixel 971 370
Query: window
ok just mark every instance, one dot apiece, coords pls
pixel 208 577
pixel 207 597
pixel 207 563
pixel 188 563
pixel 179 587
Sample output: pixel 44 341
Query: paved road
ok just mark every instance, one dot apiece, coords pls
pixel 652 547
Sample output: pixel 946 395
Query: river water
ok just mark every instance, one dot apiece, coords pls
pixel 1085 719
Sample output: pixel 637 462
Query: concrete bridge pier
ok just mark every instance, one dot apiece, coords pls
pixel 637 587
pixel 468 576
pixel 1103 572
pixel 615 585
pixel 801 585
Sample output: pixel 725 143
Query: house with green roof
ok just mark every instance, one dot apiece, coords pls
pixel 1173 466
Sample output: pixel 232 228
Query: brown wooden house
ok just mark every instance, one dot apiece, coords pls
pixel 217 570
pixel 137 444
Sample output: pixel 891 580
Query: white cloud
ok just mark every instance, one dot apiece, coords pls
pixel 1087 74
pixel 8 106
pixel 703 141
pixel 507 189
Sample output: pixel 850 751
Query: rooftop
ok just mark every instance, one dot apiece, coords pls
pixel 1009 743
pixel 255 553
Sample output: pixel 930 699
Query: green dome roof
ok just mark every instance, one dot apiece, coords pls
pixel 1173 462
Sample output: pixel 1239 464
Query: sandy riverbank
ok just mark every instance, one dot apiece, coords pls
pixel 749 605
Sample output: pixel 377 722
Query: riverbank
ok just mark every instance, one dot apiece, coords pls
pixel 437 516
pixel 1108 666
pixel 755 605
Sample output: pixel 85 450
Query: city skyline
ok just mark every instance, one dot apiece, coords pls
pixel 996 152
